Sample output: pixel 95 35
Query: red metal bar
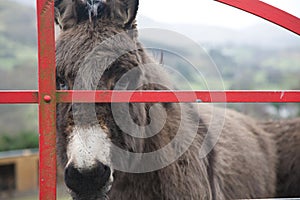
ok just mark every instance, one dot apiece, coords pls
pixel 18 97
pixel 47 100
pixel 31 97
pixel 268 12
pixel 179 96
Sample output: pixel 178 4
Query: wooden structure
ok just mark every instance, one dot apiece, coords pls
pixel 19 170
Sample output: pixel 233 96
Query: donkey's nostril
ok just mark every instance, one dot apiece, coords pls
pixel 103 172
pixel 73 178
pixel 83 180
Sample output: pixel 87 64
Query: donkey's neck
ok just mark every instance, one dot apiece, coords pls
pixel 177 179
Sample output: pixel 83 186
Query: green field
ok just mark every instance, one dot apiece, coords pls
pixel 62 195
pixel 36 198
pixel 33 195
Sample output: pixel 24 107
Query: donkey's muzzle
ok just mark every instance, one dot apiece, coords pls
pixel 87 180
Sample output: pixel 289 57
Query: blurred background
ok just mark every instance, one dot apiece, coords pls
pixel 248 53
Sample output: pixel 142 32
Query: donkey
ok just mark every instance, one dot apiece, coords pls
pixel 286 134
pixel 142 150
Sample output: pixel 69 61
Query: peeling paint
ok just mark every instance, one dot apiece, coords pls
pixel 282 95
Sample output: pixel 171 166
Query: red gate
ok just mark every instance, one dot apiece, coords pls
pixel 47 96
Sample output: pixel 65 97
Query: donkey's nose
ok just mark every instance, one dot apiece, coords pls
pixel 82 180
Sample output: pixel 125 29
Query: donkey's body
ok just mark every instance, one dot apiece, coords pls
pixel 241 165
pixel 286 134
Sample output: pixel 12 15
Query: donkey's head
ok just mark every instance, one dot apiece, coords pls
pixel 69 13
pixel 97 49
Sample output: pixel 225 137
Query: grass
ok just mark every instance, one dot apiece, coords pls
pixel 24 140
pixel 36 198
pixel 61 195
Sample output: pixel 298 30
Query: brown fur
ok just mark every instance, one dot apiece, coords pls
pixel 287 136
pixel 241 165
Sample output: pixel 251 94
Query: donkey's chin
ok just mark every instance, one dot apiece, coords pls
pixel 98 196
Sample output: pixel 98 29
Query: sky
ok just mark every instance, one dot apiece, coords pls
pixel 208 12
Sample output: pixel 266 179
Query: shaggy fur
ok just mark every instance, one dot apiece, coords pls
pixel 241 165
pixel 287 136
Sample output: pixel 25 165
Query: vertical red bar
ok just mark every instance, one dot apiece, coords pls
pixel 47 100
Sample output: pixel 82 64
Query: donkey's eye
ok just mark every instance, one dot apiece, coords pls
pixel 62 84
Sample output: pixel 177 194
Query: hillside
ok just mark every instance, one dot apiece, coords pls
pixel 17 37
pixel 18 64
pixel 264 34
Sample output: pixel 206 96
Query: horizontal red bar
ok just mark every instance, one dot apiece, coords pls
pixel 18 97
pixel 30 97
pixel 179 96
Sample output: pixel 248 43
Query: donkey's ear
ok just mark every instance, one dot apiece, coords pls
pixel 126 10
pixel 132 8
pixel 57 12
pixel 66 12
